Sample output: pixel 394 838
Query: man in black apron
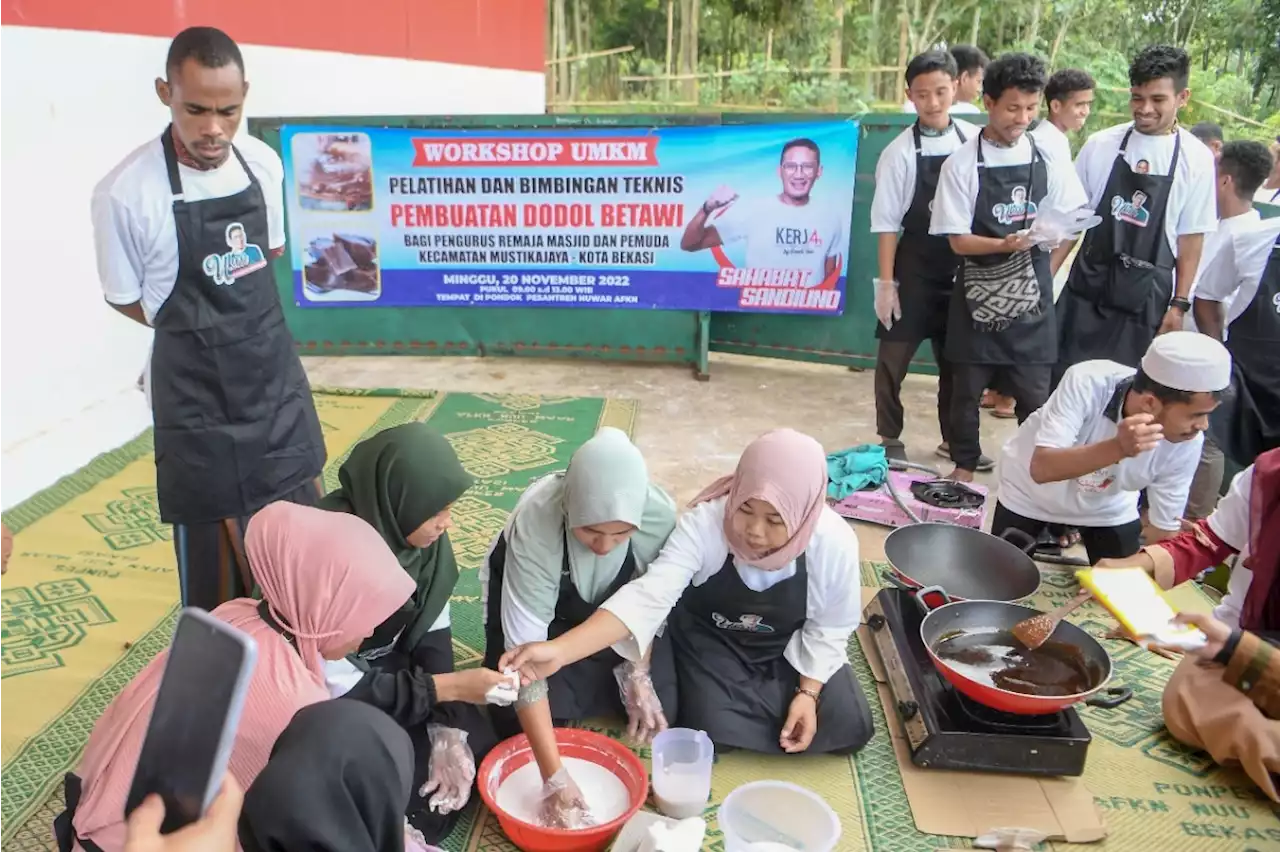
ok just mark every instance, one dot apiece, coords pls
pixel 1132 277
pixel 1001 319
pixel 735 683
pixel 588 687
pixel 917 271
pixel 1248 422
pixel 235 424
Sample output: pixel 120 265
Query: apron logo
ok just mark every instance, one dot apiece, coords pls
pixel 244 257
pixel 747 623
pixel 1142 167
pixel 1275 300
pixel 1133 211
pixel 1019 209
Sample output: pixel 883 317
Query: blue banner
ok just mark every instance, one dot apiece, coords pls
pixel 722 218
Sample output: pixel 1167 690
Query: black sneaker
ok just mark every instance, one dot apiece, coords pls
pixel 985 464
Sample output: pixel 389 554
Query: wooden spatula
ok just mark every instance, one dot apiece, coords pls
pixel 1036 630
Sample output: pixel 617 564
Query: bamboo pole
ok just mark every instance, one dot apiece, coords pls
pixel 595 54
pixel 671 21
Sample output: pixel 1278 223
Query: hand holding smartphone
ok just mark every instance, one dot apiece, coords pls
pixel 195 718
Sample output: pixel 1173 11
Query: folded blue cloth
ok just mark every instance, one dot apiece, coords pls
pixel 854 469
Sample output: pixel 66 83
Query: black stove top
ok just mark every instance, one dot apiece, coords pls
pixel 945 729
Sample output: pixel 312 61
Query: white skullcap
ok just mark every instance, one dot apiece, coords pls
pixel 1188 361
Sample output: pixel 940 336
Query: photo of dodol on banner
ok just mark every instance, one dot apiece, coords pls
pixel 718 218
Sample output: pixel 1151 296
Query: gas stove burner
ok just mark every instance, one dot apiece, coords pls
pixel 982 716
pixel 946 730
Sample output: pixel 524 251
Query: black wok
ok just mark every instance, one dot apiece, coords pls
pixel 947 563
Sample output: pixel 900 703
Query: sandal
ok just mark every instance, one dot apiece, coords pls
pixel 1069 538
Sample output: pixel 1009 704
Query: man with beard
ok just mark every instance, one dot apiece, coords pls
pixel 182 229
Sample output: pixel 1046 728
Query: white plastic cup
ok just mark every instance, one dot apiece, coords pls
pixel 682 760
pixel 776 812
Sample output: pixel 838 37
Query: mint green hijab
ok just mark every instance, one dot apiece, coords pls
pixel 396 481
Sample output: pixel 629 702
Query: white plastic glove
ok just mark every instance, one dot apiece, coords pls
pixel 453 770
pixel 563 805
pixel 888 309
pixel 645 718
pixel 1054 227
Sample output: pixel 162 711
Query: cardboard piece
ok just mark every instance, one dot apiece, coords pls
pixel 970 804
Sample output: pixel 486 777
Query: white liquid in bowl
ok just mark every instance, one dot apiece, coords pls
pixel 520 795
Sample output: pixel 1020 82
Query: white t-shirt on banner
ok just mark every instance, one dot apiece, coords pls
pixel 784 236
pixel 953 206
pixel 1193 205
pixel 132 210
pixel 1052 142
pixel 896 173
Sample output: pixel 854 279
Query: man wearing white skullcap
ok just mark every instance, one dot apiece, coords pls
pixel 1107 433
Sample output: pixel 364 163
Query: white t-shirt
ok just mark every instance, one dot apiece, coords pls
pixel 1078 413
pixel 1052 141
pixel 696 552
pixel 132 210
pixel 1237 267
pixel 1212 245
pixel 784 236
pixel 959 108
pixel 1267 196
pixel 1193 204
pixel 953 206
pixel 896 173
pixel 1230 522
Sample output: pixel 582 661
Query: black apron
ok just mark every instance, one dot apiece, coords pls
pixel 235 424
pixel 1122 279
pixel 735 683
pixel 588 687
pixel 924 264
pixel 1247 423
pixel 1030 339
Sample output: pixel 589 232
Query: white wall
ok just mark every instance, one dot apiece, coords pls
pixel 75 103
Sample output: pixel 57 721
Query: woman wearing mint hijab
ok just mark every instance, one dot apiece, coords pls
pixel 573 540
pixel 402 482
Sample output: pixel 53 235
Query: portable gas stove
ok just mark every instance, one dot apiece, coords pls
pixel 946 730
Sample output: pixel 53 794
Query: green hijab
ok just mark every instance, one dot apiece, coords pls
pixel 395 482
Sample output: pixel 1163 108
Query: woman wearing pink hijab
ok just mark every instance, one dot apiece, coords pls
pixel 327 581
pixel 759 586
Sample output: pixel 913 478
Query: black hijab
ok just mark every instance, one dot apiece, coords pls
pixel 338 780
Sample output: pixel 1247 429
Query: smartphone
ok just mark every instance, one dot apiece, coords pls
pixel 194 721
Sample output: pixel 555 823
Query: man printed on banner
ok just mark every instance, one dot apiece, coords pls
pixel 788 230
pixel 1001 315
pixel 971 65
pixel 1241 169
pixel 917 270
pixel 1152 183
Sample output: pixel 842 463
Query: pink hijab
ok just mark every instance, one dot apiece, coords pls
pixel 329 579
pixel 786 469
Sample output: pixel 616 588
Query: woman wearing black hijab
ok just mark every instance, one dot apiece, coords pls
pixel 338 780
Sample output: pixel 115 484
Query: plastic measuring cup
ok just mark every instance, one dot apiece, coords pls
pixel 682 760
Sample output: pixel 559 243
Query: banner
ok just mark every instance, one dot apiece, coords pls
pixel 723 218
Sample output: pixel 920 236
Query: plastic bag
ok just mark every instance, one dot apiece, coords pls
pixel 645 718
pixel 1054 227
pixel 453 770
pixel 888 308
pixel 563 805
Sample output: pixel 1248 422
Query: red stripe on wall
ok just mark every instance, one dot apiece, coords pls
pixel 486 33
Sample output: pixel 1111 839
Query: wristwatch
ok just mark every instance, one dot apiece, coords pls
pixel 1181 304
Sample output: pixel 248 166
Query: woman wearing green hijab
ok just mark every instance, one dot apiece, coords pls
pixel 573 540
pixel 402 482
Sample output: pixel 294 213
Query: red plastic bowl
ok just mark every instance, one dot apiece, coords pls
pixel 514 753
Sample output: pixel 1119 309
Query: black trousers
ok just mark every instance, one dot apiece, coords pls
pixel 212 568
pixel 1099 542
pixel 893 359
pixel 1028 384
